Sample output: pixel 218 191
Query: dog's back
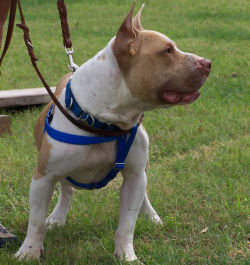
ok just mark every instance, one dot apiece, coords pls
pixel 38 130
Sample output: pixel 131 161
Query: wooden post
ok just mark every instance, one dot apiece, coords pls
pixel 4 124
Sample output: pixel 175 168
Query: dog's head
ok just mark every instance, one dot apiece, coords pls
pixel 155 70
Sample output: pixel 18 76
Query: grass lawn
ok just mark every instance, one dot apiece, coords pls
pixel 198 179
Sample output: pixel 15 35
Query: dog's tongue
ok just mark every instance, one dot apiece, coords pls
pixel 173 97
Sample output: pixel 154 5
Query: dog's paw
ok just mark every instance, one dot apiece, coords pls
pixel 153 217
pixel 53 221
pixel 29 252
pixel 156 219
pixel 136 262
pixel 126 253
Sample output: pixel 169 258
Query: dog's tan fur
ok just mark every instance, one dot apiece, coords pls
pixel 146 66
pixel 149 62
pixel 38 131
pixel 42 158
pixel 40 138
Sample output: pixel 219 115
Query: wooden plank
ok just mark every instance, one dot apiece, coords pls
pixel 24 97
pixel 4 124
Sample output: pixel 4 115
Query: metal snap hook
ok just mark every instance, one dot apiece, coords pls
pixel 72 66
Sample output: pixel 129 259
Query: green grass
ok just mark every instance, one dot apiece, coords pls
pixel 199 154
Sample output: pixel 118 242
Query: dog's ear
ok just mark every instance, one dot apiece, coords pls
pixel 125 35
pixel 137 19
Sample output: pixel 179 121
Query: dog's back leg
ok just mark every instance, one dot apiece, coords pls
pixel 58 216
pixel 149 211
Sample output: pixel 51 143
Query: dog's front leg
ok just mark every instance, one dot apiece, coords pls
pixel 40 193
pixel 131 198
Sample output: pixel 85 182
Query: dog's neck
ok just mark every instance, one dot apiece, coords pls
pixel 100 88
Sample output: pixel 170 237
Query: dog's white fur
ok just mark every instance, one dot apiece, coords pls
pixel 101 88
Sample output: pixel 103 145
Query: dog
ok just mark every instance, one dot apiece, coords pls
pixel 139 70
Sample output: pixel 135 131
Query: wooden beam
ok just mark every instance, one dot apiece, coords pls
pixel 24 97
pixel 4 124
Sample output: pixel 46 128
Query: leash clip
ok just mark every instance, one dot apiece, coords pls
pixel 72 66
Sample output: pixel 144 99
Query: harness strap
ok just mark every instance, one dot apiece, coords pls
pixel 72 138
pixel 72 104
pixel 124 144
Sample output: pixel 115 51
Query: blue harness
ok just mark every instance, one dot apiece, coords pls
pixel 124 141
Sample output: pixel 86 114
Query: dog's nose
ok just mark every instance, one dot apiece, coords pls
pixel 203 65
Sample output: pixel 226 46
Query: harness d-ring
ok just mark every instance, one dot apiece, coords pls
pixel 93 120
pixel 83 111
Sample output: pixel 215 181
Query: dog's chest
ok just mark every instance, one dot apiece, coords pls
pixel 85 164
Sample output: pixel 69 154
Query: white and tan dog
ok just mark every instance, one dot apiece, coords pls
pixel 138 70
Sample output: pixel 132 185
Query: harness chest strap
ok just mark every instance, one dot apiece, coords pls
pixel 124 144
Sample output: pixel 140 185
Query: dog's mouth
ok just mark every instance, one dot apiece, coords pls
pixel 173 97
pixel 170 93
pixel 186 92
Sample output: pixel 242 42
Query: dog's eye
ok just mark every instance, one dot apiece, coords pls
pixel 168 50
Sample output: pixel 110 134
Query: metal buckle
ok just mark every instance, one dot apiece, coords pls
pixel 72 66
pixel 93 120
pixel 83 111
pixel 119 166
